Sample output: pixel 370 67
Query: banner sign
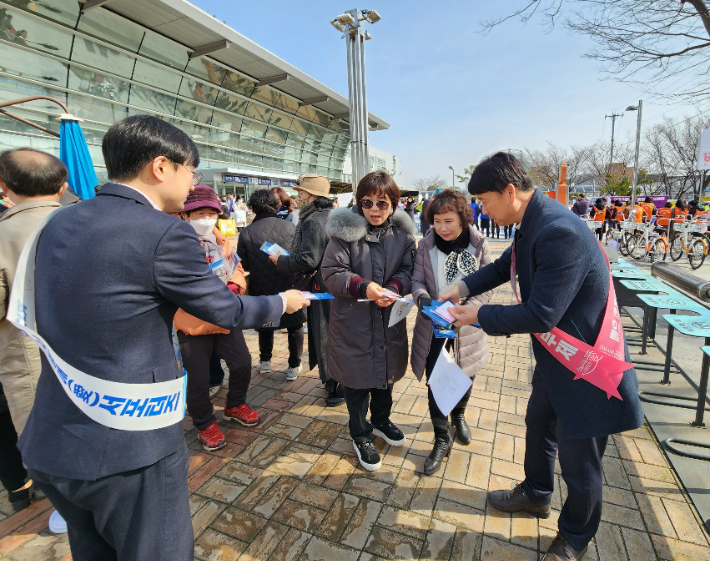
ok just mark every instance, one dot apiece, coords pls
pixel 658 200
pixel 289 183
pixel 228 178
pixel 132 407
pixel 235 178
pixel 704 150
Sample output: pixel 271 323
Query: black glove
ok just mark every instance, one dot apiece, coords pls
pixel 422 301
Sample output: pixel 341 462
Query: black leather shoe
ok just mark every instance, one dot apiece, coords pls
pixel 462 430
pixel 442 449
pixel 561 550
pixel 336 395
pixel 515 500
pixel 21 498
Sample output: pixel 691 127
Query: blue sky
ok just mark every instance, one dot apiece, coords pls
pixel 451 94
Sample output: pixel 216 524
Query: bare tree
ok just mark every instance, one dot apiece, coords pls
pixel 429 183
pixel 583 163
pixel 656 43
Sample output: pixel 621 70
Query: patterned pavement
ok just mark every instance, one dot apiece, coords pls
pixel 291 488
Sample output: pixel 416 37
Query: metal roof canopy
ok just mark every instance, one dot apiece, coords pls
pixel 190 26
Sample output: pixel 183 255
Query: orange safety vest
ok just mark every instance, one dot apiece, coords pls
pixel 599 214
pixel 618 213
pixel 648 208
pixel 679 216
pixel 663 216
pixel 638 214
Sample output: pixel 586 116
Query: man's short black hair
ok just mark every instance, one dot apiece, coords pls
pixel 31 173
pixel 648 200
pixel 264 200
pixel 496 173
pixel 132 143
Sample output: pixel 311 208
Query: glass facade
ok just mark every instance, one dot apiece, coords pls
pixel 105 68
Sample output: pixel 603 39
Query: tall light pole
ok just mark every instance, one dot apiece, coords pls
pixel 638 108
pixel 613 117
pixel 453 181
pixel 352 24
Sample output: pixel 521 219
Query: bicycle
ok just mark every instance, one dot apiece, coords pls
pixel 683 242
pixel 628 238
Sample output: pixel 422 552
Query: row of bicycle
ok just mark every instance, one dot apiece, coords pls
pixel 648 240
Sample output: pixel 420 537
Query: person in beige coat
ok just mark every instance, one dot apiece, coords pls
pixel 452 249
pixel 34 181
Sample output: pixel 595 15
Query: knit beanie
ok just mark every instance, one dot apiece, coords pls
pixel 202 196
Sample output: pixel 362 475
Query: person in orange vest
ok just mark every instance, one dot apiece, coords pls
pixel 616 214
pixel 663 216
pixel 598 214
pixel 638 213
pixel 649 209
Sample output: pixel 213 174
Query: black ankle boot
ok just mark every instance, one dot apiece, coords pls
pixel 443 443
pixel 461 426
pixel 336 395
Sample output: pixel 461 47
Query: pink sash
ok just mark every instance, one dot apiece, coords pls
pixel 603 364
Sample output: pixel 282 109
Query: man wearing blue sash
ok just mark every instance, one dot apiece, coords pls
pixel 564 294
pixel 109 274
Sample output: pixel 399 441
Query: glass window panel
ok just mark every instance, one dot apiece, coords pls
pixel 29 32
pixel 147 73
pixel 273 163
pixel 65 12
pixel 93 83
pixel 300 127
pixel 317 132
pixel 207 70
pixel 322 171
pixel 250 159
pixel 231 103
pixel 96 110
pixel 276 135
pixel 238 83
pixel 194 112
pixel 325 150
pixel 103 58
pixel 295 141
pixel 46 121
pixel 258 112
pixel 309 144
pixel 266 95
pixel 251 128
pixel 310 157
pixel 32 66
pixel 198 91
pixel 223 138
pixel 306 168
pixel 287 104
pixel 110 28
pixel 330 137
pixel 291 166
pixel 280 119
pixel 274 149
pixel 339 153
pixel 292 153
pixel 251 144
pixel 155 101
pixel 323 160
pixel 163 50
pixel 306 112
pixel 321 118
pixel 343 141
pixel 227 121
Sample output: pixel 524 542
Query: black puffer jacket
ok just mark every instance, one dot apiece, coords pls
pixel 264 278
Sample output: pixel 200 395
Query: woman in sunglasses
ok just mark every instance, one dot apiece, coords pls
pixel 452 249
pixel 371 249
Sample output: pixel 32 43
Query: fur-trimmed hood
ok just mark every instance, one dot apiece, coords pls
pixel 349 225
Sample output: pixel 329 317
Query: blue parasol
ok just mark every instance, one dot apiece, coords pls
pixel 74 152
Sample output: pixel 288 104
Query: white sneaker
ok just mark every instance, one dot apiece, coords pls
pixel 214 390
pixel 57 524
pixel 265 367
pixel 292 373
pixel 305 329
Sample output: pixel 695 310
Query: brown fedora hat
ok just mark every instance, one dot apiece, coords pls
pixel 315 185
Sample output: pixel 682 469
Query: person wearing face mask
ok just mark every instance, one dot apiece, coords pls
pixel 371 247
pixel 198 338
pixel 454 249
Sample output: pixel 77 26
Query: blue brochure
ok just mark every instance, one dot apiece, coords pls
pixel 436 319
pixel 317 295
pixel 441 333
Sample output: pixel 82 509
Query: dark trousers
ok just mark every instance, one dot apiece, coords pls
pixel 508 231
pixel 196 352
pixel 486 226
pixel 379 402
pixel 12 472
pixel 295 345
pixel 139 515
pixel 580 461
pixel 216 372
pixel 438 419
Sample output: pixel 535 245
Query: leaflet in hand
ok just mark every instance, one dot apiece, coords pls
pixel 439 314
pixel 443 333
pixel 317 295
pixel 273 249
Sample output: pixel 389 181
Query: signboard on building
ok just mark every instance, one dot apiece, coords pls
pixel 704 150
pixel 289 183
pixel 658 200
pixel 227 178
pixel 235 178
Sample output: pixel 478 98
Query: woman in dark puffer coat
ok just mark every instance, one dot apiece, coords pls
pixel 451 250
pixel 371 247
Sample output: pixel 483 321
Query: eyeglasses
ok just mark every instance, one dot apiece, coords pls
pixel 367 203
pixel 196 177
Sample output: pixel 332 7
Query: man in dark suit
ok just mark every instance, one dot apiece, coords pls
pixel 110 274
pixel 564 283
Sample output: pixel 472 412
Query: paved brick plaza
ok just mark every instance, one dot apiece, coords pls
pixel 292 489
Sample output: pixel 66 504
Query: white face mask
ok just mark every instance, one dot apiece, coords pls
pixel 203 226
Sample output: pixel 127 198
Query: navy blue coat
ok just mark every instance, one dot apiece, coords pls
pixel 110 274
pixel 564 282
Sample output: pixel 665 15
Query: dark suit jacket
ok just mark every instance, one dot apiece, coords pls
pixel 564 281
pixel 110 274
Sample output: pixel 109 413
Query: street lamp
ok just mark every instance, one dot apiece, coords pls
pixel 638 108
pixel 352 25
pixel 453 182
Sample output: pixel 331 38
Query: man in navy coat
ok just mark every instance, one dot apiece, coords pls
pixel 564 283
pixel 110 274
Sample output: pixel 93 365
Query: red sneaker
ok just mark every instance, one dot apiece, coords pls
pixel 212 438
pixel 242 414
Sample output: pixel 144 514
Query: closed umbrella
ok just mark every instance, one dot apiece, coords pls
pixel 74 152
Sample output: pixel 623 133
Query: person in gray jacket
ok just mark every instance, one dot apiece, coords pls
pixel 371 247
pixel 452 249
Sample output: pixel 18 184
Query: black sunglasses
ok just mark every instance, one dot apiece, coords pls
pixel 367 203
